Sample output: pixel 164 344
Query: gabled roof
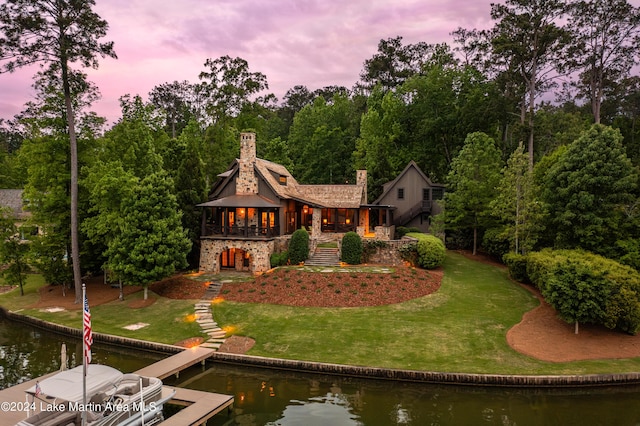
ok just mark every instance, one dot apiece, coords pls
pixel 388 187
pixel 317 196
pixel 12 198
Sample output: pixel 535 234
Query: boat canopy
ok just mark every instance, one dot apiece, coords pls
pixel 67 384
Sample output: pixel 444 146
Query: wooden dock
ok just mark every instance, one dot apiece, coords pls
pixel 200 406
pixel 176 363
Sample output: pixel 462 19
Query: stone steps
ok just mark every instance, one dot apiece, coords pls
pixel 324 256
pixel 204 317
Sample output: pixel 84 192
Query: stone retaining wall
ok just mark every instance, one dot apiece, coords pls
pixel 551 381
pixel 390 253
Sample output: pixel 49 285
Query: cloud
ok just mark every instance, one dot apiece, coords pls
pixel 310 42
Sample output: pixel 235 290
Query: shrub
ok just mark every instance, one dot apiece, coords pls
pixel 351 248
pixel 299 247
pixel 430 250
pixel 401 231
pixel 517 265
pixel 584 287
pixel 495 243
pixel 279 259
pixel 409 253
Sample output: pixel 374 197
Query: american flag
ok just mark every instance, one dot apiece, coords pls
pixel 38 390
pixel 87 334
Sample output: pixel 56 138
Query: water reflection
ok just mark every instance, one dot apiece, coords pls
pixel 266 397
pixel 27 352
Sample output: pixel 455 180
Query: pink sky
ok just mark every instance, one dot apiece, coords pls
pixel 314 43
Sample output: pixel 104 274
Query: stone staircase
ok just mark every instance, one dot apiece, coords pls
pixel 204 317
pixel 324 256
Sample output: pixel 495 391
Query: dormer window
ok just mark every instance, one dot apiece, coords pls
pixel 282 179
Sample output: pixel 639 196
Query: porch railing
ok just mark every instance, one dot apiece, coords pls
pixel 252 231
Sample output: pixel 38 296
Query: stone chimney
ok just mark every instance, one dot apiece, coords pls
pixel 361 180
pixel 247 183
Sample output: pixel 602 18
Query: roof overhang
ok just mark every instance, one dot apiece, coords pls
pixel 241 200
pixel 378 207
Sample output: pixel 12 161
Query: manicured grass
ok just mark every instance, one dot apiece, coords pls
pixel 461 328
pixel 170 320
pixel 12 299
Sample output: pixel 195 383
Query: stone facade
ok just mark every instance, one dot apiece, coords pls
pixel 390 253
pixel 259 254
pixel 247 182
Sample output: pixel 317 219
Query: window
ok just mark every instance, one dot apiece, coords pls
pixel 425 194
pixel 438 193
pixel 400 193
pixel 282 180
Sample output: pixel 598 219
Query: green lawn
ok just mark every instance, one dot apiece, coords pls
pixel 170 320
pixel 461 328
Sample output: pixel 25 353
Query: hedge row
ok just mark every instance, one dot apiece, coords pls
pixel 583 287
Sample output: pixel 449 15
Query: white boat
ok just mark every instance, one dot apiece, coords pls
pixel 113 399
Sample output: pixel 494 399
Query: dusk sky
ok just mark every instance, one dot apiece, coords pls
pixel 314 43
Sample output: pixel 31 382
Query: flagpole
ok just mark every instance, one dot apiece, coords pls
pixel 84 357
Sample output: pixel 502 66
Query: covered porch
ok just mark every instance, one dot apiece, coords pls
pixel 240 216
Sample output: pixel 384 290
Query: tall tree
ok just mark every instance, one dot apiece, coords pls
pixel 151 244
pixel 229 85
pixel 531 44
pixel 516 205
pixel 607 35
pixel 59 32
pixel 322 140
pixel 473 180
pixel 586 189
pixel 446 104
pixel 381 148
pixel 191 187
pixel 175 100
pixel 394 62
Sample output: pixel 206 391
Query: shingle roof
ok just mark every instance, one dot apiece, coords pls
pixel 334 196
pixel 12 198
pixel 328 196
pixel 319 196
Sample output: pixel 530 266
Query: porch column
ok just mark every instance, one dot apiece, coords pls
pixel 316 223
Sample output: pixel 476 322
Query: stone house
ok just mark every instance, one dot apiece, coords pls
pixel 256 205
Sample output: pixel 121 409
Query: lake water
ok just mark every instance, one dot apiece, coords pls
pixel 269 397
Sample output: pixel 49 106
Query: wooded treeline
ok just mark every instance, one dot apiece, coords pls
pixel 505 117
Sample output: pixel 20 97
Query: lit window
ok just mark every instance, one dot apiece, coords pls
pixel 283 180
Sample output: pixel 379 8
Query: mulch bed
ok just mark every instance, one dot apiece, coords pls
pixel 179 287
pixel 335 289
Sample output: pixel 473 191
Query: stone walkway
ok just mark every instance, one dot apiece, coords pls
pixel 204 317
